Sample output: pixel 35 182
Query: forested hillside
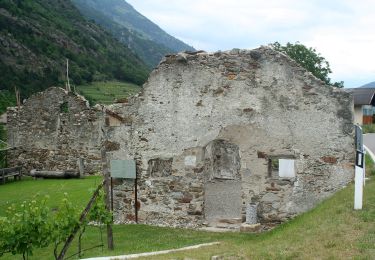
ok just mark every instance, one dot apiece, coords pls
pixel 37 36
pixel 133 29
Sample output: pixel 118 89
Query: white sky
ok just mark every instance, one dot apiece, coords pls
pixel 342 31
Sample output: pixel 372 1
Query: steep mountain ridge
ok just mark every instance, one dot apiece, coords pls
pixel 133 29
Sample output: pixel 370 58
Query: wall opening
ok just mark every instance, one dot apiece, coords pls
pixel 160 167
pixel 223 191
pixel 64 107
pixel 222 160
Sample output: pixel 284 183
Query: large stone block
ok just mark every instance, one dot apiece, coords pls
pixel 222 200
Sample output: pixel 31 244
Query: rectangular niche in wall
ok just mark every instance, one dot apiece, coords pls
pixel 222 160
pixel 160 167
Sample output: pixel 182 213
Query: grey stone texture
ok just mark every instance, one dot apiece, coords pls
pixel 222 200
pixel 53 130
pixel 218 118
pixel 251 213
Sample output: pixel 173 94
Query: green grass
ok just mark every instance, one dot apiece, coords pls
pixel 79 191
pixel 369 165
pixel 107 92
pixel 368 128
pixel 332 230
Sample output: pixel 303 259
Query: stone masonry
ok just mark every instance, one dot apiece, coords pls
pixel 52 130
pixel 219 139
pixel 215 132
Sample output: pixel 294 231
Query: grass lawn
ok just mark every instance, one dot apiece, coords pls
pixel 368 128
pixel 79 191
pixel 107 92
pixel 333 230
pixel 370 169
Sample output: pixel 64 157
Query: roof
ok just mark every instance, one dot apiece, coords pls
pixel 362 96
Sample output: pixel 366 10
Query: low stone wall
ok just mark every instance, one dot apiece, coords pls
pixel 44 159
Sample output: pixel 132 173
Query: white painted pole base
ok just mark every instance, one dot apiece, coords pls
pixel 358 187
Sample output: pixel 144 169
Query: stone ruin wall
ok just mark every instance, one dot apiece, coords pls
pixel 204 133
pixel 206 126
pixel 52 130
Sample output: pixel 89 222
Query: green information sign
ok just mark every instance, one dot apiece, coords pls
pixel 123 169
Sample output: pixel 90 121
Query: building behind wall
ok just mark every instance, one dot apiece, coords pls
pixel 213 133
pixel 363 105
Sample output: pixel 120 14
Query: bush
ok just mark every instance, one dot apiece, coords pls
pixel 34 225
pixel 23 230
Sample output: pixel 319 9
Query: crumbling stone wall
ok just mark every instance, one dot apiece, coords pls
pixel 52 130
pixel 208 127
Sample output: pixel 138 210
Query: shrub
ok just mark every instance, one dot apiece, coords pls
pixel 25 229
pixel 34 225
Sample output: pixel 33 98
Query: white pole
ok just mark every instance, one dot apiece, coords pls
pixel 359 168
pixel 358 187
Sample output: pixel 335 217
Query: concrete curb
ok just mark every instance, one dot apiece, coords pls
pixel 132 256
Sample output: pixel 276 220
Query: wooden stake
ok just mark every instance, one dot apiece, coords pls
pixel 107 194
pixel 81 219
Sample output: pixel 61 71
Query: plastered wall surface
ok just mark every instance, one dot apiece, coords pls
pixel 224 118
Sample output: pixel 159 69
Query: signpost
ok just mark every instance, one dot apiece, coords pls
pixel 125 169
pixel 359 168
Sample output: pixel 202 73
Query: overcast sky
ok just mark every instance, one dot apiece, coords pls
pixel 342 31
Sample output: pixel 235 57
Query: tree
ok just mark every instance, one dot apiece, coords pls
pixel 309 59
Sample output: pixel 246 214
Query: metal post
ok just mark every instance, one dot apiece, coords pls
pixel 136 199
pixel 112 196
pixel 359 169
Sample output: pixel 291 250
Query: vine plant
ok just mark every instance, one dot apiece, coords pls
pixel 34 225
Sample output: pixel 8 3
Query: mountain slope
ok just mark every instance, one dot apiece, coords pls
pixel 369 85
pixel 137 32
pixel 36 37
